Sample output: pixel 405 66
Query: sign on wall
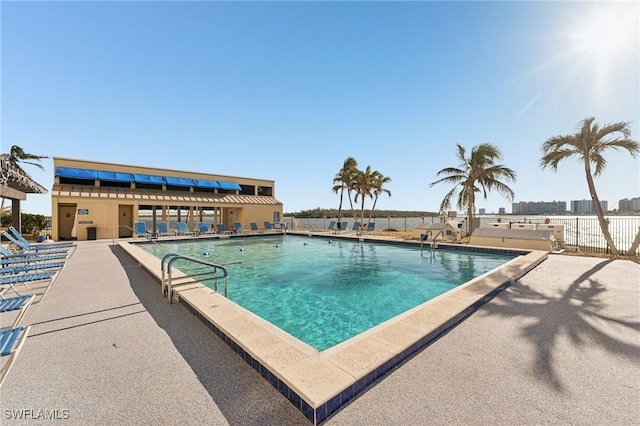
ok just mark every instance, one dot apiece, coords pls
pixel 83 211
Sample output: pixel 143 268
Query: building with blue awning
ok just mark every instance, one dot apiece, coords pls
pixel 93 199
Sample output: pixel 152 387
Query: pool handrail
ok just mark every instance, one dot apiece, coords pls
pixel 168 280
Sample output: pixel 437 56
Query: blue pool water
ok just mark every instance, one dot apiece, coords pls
pixel 326 291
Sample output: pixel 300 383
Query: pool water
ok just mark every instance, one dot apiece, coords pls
pixel 324 291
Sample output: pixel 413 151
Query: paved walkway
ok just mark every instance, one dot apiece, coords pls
pixel 560 346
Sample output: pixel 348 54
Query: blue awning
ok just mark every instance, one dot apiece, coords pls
pixel 208 184
pixel 68 172
pixel 150 179
pixel 176 181
pixel 115 176
pixel 229 186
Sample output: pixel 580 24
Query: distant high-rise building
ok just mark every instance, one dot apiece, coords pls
pixel 629 205
pixel 586 206
pixel 501 210
pixel 482 211
pixel 540 207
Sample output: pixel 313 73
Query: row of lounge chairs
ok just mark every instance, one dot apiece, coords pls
pixel 357 227
pixel 140 229
pixel 24 264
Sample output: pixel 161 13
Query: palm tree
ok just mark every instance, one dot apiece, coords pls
pixel 588 145
pixel 16 157
pixel 378 189
pixel 344 179
pixel 476 173
pixel 363 186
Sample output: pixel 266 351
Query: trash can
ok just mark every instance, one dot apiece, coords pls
pixel 91 233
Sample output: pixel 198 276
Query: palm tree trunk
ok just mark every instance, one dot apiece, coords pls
pixel 340 207
pixel 375 200
pixel 470 210
pixel 604 226
pixel 353 212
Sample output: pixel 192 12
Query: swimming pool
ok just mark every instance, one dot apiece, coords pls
pixel 326 291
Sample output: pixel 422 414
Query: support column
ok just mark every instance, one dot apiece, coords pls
pixel 16 218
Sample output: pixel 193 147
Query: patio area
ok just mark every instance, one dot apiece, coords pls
pixel 560 346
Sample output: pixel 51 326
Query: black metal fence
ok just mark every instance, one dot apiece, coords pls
pixel 580 232
pixel 585 233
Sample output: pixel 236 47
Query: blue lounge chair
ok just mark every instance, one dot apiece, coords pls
pixel 203 229
pixel 35 248
pixel 27 267
pixel 343 226
pixel 11 341
pixel 183 229
pixel 237 227
pixel 140 229
pixel 17 303
pixel 269 226
pixel 9 281
pixel 332 226
pixel 356 226
pixel 7 258
pixel 163 229
pixel 222 229
pixel 254 227
pixel 19 236
pixel 371 226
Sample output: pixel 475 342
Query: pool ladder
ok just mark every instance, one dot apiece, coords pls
pixel 424 237
pixel 210 272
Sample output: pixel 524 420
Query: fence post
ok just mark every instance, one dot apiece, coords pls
pixel 635 244
pixel 577 225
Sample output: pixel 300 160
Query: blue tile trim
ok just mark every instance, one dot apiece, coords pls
pixel 325 411
pixel 281 386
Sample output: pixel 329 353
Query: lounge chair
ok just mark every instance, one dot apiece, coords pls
pixel 8 258
pixel 183 229
pixel 237 227
pixel 35 248
pixel 140 229
pixel 254 227
pixel 332 226
pixel 16 303
pixel 28 267
pixel 269 226
pixel 163 230
pixel 203 229
pixel 356 226
pixel 19 236
pixel 11 341
pixel 343 226
pixel 9 281
pixel 222 229
pixel 371 226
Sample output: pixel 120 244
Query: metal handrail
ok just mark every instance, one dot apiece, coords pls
pixel 434 245
pixel 212 275
pixel 113 234
pixel 424 237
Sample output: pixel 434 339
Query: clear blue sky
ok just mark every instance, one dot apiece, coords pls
pixel 287 90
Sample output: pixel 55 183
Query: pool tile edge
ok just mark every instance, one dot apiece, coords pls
pixel 343 377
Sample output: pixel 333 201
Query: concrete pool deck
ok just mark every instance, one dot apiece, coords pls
pixel 561 345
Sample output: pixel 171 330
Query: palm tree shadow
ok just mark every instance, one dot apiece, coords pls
pixel 576 313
